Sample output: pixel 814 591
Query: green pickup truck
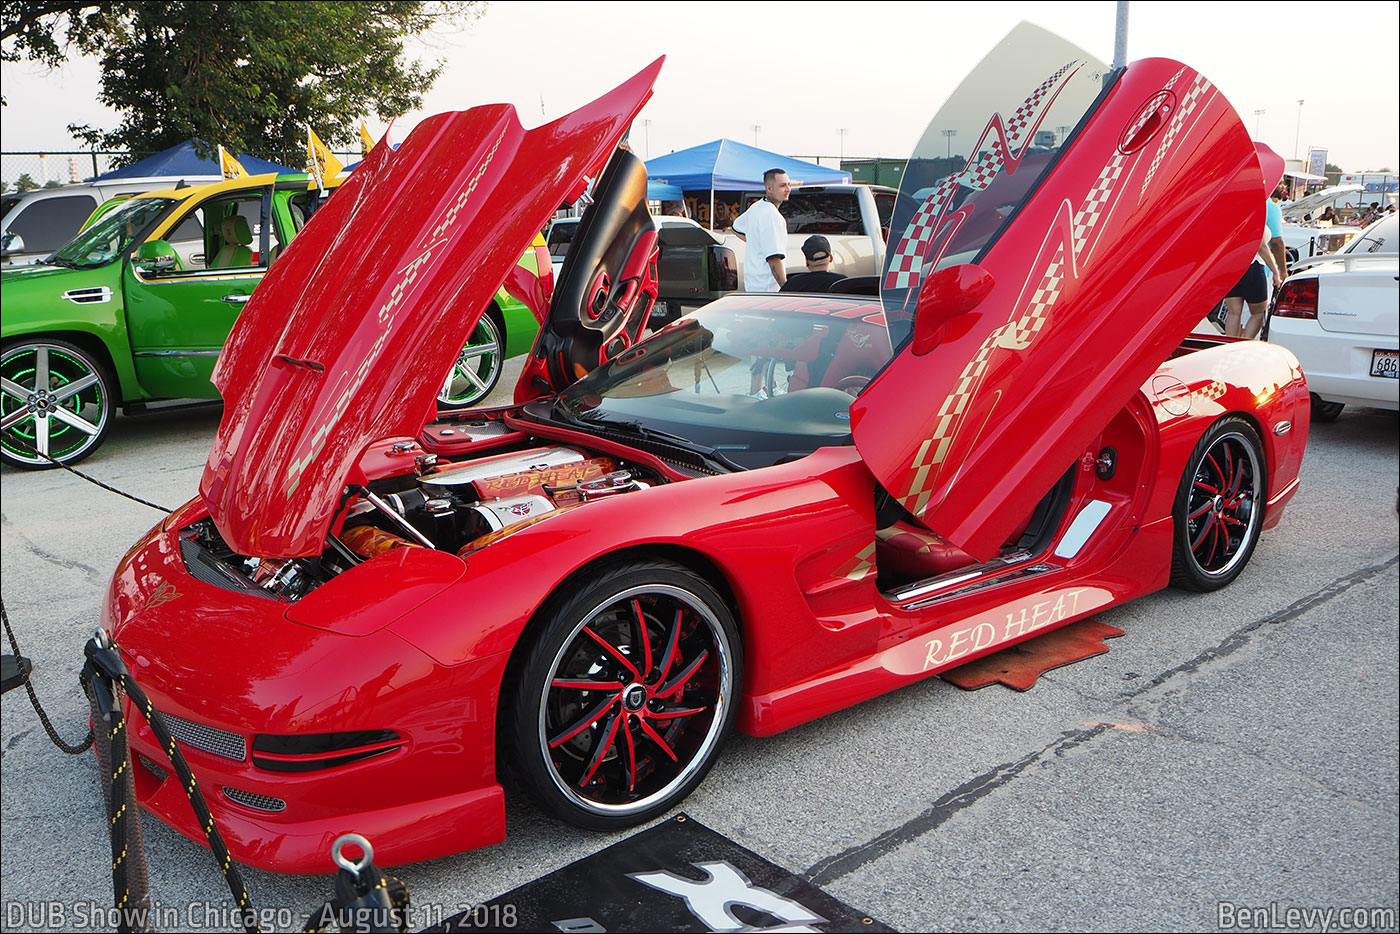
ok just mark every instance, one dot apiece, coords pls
pixel 137 306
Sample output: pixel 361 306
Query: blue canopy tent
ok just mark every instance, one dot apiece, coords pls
pixel 726 164
pixel 181 160
pixel 659 189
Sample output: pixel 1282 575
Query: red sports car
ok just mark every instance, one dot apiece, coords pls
pixel 766 511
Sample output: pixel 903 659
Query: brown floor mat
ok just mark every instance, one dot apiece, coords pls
pixel 1019 666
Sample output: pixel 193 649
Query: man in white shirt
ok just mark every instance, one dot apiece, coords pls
pixel 764 232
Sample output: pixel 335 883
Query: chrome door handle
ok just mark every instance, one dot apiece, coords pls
pixel 236 299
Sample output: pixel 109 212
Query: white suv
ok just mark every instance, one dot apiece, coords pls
pixel 37 222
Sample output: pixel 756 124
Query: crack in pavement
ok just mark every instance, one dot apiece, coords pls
pixel 93 575
pixel 48 557
pixel 1320 784
pixel 1244 635
pixel 833 867
pixel 965 795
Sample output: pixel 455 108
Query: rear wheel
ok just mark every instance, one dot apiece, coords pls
pixel 1324 411
pixel 56 399
pixel 626 695
pixel 1219 508
pixel 478 366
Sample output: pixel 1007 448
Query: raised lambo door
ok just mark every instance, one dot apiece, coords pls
pixel 1059 230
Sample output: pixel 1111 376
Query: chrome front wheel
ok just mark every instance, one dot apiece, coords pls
pixel 478 366
pixel 56 401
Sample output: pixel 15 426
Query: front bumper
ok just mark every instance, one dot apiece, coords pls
pixel 232 667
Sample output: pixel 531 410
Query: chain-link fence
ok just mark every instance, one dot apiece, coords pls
pixel 40 169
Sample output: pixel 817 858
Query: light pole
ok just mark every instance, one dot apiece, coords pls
pixel 948 135
pixel 1257 115
pixel 646 126
pixel 755 129
pixel 841 131
pixel 1297 129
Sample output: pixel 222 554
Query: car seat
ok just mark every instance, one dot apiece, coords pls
pixel 236 236
pixel 864 348
pixel 912 553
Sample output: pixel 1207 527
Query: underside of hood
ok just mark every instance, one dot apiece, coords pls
pixel 347 338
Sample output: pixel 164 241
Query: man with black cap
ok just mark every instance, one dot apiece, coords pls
pixel 818 277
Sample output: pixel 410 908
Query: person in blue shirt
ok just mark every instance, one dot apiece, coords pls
pixel 1257 297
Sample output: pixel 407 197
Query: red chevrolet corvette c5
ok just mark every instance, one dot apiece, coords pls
pixel 768 510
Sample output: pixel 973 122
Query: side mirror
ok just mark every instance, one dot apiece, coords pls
pixel 13 243
pixel 949 292
pixel 156 256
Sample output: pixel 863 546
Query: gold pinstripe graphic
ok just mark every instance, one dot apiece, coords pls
pixel 861 566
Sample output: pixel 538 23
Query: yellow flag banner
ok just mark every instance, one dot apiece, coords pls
pixel 366 141
pixel 228 165
pixel 319 161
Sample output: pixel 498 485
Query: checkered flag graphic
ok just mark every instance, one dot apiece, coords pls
pixel 1007 138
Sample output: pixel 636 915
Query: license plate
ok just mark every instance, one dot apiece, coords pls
pixel 1385 363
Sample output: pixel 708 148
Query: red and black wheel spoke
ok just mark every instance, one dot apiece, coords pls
pixel 629 765
pixel 678 682
pixel 584 722
pixel 642 636
pixel 600 747
pixel 1200 510
pixel 675 713
pixel 586 684
pixel 1204 531
pixel 673 639
pixel 615 653
pixel 655 737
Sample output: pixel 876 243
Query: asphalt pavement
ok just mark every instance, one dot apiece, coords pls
pixel 1232 757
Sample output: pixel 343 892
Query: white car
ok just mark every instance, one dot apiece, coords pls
pixel 1340 318
pixel 1305 235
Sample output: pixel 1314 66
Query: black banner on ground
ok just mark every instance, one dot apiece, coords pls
pixel 676 876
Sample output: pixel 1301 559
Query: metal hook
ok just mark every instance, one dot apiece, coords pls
pixel 345 862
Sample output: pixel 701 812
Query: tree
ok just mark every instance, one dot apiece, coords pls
pixel 248 76
pixel 1333 168
pixel 25 183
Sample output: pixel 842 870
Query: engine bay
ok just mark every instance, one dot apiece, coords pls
pixel 412 499
pixel 462 507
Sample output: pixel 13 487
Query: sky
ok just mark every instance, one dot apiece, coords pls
pixel 803 73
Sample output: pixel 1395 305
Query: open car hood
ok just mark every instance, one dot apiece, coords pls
pixel 346 340
pixel 1070 227
pixel 1315 202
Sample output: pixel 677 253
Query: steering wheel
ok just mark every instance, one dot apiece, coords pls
pixel 852 385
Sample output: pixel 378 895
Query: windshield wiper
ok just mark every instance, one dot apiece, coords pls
pixel 643 431
pixel 55 261
pixel 676 441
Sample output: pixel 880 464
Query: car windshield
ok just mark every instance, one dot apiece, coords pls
pixel 1381 237
pixel 757 379
pixel 561 235
pixel 983 155
pixel 110 237
pixel 823 211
